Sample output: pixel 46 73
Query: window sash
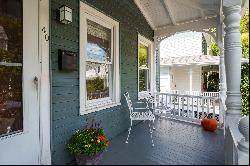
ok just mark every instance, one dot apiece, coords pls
pixel 88 106
pixel 110 68
pixel 148 67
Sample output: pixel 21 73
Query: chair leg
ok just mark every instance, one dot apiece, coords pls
pixel 151 132
pixel 129 130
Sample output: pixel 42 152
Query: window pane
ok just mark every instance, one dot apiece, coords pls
pixel 97 80
pixel 143 55
pixel 98 42
pixel 143 80
pixel 11 58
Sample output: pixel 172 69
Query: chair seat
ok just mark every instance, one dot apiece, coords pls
pixel 142 116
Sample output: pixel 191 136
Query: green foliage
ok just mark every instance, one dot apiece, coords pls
pixel 87 141
pixel 214 47
pixel 143 55
pixel 244 24
pixel 213 82
pixel 142 81
pixel 244 29
pixel 245 88
pixel 245 45
pixel 94 85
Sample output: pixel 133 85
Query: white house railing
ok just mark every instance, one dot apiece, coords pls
pixel 195 93
pixel 237 141
pixel 187 107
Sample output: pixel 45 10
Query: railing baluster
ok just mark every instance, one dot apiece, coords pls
pixel 188 115
pixel 202 107
pixel 193 107
pixel 174 98
pixel 213 108
pixel 162 101
pixel 208 106
pixel 197 106
pixel 178 105
pixel 183 111
pixel 166 102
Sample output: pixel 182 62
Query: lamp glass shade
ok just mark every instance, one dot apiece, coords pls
pixel 65 15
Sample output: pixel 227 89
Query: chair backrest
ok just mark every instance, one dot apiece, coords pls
pixel 129 102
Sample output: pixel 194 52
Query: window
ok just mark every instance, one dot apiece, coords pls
pixel 99 61
pixel 11 67
pixel 145 65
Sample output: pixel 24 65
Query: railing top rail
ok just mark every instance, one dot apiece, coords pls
pixel 191 96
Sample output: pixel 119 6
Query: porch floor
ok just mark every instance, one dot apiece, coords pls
pixel 175 143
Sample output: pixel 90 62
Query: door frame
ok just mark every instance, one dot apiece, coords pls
pixel 44 83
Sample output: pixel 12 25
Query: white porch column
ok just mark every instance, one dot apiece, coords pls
pixel 233 53
pixel 237 134
pixel 222 72
pixel 157 64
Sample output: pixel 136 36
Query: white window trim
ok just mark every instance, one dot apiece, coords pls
pixel 151 62
pixel 87 12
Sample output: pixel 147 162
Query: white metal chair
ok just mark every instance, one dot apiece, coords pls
pixel 147 115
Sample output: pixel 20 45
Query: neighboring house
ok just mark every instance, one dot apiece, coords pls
pixel 184 64
pixel 45 99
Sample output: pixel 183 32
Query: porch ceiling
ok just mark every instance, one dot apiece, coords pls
pixel 180 15
pixel 160 13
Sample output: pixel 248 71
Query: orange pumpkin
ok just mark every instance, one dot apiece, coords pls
pixel 209 124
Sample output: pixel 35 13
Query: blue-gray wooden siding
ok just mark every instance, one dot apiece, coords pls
pixel 65 85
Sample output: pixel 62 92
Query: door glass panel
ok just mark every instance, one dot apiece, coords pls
pixel 11 60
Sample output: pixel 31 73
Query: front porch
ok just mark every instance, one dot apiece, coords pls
pixel 194 145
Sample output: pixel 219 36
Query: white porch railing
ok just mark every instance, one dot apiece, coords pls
pixel 195 93
pixel 237 141
pixel 188 107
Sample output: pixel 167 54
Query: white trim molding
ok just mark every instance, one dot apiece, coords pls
pixel 199 25
pixel 88 106
pixel 44 89
pixel 151 62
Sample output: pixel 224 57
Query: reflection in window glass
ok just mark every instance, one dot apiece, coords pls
pixel 99 61
pixel 11 59
pixel 97 77
pixel 143 68
pixel 98 42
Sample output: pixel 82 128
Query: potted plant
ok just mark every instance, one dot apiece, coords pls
pixel 87 145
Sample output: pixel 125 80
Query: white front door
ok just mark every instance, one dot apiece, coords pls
pixel 19 68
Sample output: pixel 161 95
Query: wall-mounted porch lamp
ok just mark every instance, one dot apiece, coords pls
pixel 65 14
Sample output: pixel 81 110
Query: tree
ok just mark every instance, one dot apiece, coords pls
pixel 244 30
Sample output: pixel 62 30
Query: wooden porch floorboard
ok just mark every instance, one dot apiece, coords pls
pixel 175 143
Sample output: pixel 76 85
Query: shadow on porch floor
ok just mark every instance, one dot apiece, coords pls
pixel 175 143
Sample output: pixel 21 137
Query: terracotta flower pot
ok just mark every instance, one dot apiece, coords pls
pixel 209 124
pixel 83 159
